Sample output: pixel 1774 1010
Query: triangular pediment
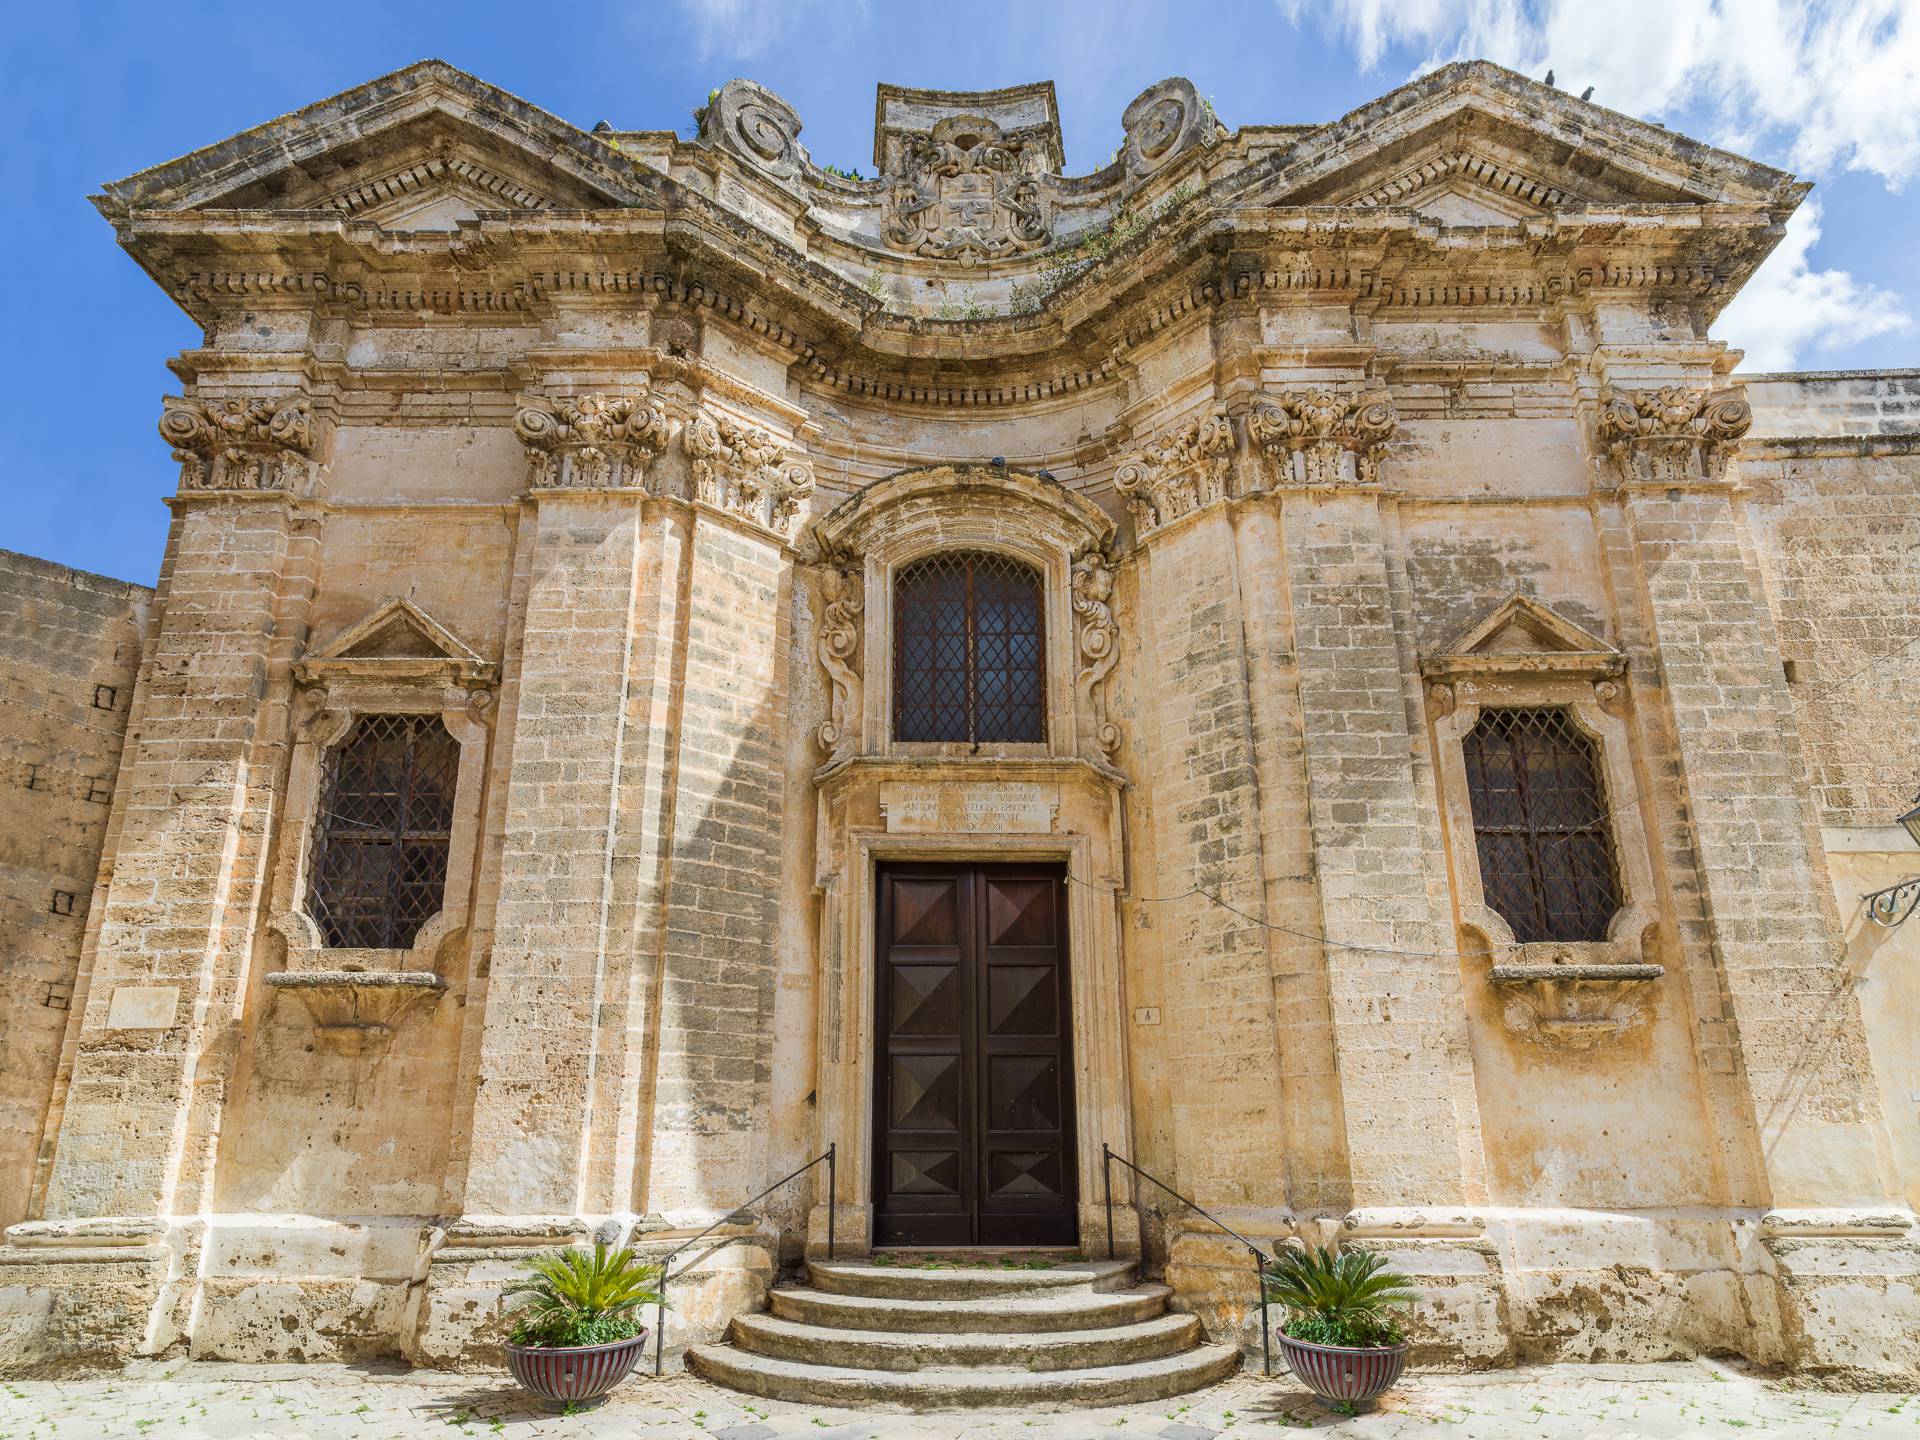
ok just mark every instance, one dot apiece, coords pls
pixel 1518 635
pixel 398 639
pixel 1476 144
pixel 421 148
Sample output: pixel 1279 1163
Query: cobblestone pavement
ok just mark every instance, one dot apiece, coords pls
pixel 188 1401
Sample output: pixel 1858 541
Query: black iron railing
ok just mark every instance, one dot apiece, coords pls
pixel 1108 1156
pixel 825 1157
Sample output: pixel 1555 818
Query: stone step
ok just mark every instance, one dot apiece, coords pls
pixel 944 1388
pixel 778 1339
pixel 958 1281
pixel 1041 1312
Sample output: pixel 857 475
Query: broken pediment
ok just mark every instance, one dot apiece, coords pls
pixel 397 641
pixel 419 149
pixel 1474 144
pixel 1523 636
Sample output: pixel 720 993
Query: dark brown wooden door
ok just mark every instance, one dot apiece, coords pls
pixel 973 1075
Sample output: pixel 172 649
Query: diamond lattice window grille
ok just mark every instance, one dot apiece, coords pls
pixel 380 849
pixel 969 650
pixel 1540 824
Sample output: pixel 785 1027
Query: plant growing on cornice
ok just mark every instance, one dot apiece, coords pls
pixel 876 284
pixel 573 1298
pixel 843 174
pixel 700 111
pixel 1097 242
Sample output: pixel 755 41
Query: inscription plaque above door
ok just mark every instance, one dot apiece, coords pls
pixel 986 807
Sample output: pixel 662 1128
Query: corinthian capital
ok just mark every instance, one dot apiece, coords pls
pixel 591 442
pixel 1323 437
pixel 1178 471
pixel 242 443
pixel 1673 435
pixel 745 470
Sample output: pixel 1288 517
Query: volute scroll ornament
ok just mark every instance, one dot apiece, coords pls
pixel 1181 471
pixel 840 590
pixel 1322 436
pixel 752 122
pixel 591 442
pixel 1099 636
pixel 1163 122
pixel 241 443
pixel 746 471
pixel 1672 435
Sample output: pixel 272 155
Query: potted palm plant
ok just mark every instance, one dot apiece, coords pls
pixel 577 1330
pixel 1340 1337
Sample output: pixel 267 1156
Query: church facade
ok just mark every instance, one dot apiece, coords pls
pixel 1292 659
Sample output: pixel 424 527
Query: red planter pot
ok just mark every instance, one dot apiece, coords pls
pixel 575 1374
pixel 1345 1376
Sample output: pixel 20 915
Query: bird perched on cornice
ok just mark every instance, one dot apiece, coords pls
pixel 1549 77
pixel 1587 94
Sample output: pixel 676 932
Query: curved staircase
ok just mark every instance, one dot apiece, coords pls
pixel 971 1333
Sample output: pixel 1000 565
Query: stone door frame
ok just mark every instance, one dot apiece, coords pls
pixel 844 1081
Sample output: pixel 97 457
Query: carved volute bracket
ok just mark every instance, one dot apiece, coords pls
pixel 241 444
pixel 747 472
pixel 1323 437
pixel 1099 642
pixel 591 442
pixel 1672 436
pixel 755 124
pixel 841 604
pixel 1182 470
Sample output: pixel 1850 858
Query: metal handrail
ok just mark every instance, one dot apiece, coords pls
pixel 1108 1155
pixel 666 1265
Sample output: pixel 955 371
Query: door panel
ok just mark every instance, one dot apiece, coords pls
pixel 973 1070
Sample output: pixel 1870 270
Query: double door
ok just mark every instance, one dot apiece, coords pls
pixel 973 1074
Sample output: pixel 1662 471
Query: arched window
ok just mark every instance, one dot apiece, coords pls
pixel 1541 826
pixel 968 650
pixel 379 867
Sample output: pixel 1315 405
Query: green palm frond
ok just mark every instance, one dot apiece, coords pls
pixel 1349 1285
pixel 575 1285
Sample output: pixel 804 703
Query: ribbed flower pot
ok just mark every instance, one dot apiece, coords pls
pixel 575 1374
pixel 1343 1375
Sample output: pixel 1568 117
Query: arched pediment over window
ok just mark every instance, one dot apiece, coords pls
pixel 1037 527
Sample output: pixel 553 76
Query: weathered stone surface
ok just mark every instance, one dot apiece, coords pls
pixel 605 448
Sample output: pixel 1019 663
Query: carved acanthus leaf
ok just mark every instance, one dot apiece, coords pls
pixel 1322 436
pixel 745 470
pixel 1178 472
pixel 240 443
pixel 1099 642
pixel 591 442
pixel 1672 435
pixel 840 591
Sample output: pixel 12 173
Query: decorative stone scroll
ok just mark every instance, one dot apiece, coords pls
pixel 1163 122
pixel 1323 437
pixel 966 192
pixel 1673 435
pixel 840 590
pixel 752 122
pixel 591 442
pixel 1181 471
pixel 240 443
pixel 744 470
pixel 1098 640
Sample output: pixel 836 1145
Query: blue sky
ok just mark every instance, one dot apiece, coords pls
pixel 90 93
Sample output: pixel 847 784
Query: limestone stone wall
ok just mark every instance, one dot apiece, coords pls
pixel 69 654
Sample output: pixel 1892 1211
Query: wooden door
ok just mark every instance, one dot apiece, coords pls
pixel 973 1090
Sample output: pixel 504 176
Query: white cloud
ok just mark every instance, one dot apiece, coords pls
pixel 749 29
pixel 1833 84
pixel 1788 308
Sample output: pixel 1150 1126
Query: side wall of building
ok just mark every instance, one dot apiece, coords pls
pixel 69 652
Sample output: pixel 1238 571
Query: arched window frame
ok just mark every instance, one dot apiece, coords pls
pixel 978 701
pixel 918 513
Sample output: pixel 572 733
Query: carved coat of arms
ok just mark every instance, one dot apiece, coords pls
pixel 966 193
